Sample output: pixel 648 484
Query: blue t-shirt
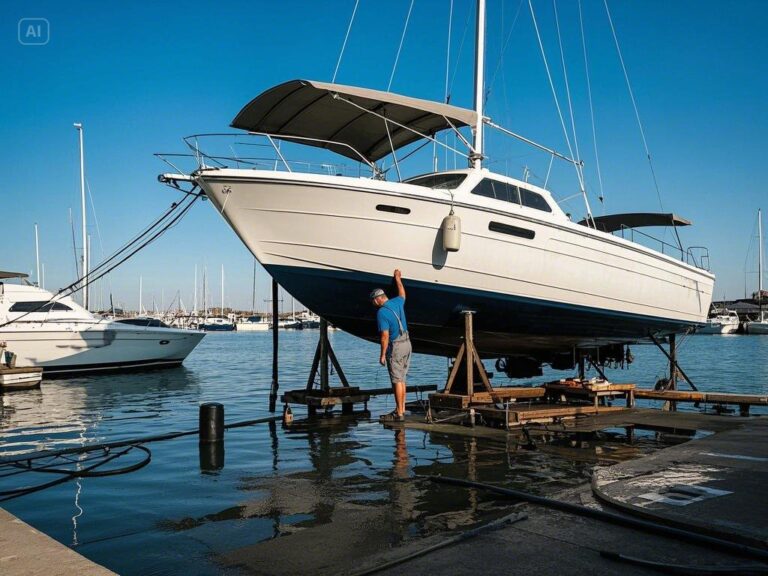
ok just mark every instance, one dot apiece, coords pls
pixel 387 320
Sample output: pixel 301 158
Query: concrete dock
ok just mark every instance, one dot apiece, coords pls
pixel 25 551
pixel 721 478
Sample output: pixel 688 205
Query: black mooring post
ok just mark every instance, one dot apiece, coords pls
pixel 275 320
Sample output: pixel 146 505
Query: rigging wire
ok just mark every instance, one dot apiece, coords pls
pixel 591 109
pixel 576 163
pixel 565 80
pixel 634 105
pixel 346 37
pixel 157 229
pixel 458 58
pixel 399 48
pixel 500 63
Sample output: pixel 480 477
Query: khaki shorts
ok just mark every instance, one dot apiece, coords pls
pixel 399 359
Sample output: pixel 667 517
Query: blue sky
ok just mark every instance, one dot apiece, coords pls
pixel 139 76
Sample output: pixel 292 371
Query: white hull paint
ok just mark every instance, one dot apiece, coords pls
pixel 332 223
pixel 68 339
pixel 757 327
pixel 59 347
pixel 252 326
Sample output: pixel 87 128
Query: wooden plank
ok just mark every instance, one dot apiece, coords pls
pixel 707 397
pixel 451 401
pixel 408 389
pixel 520 415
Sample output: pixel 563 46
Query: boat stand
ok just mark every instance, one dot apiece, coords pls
pixel 674 371
pixel 325 396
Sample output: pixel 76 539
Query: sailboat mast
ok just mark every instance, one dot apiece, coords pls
pixel 79 128
pixel 760 255
pixel 37 257
pixel 477 154
pixel 222 289
pixel 194 301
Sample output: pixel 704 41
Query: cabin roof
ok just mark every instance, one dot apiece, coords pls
pixel 7 275
pixel 614 222
pixel 347 117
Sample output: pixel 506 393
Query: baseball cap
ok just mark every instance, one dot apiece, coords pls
pixel 376 293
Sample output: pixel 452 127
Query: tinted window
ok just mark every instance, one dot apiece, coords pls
pixel 39 306
pixel 393 209
pixel 535 201
pixel 511 230
pixel 439 181
pixel 497 190
pixel 150 322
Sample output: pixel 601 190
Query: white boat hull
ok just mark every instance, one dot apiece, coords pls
pixel 325 241
pixel 252 326
pixel 62 349
pixel 757 327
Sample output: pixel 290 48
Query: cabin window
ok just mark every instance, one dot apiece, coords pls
pixel 511 230
pixel 39 306
pixel 534 200
pixel 439 181
pixel 498 190
pixel 393 209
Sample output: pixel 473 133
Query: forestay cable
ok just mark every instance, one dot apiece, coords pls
pixel 634 105
pixel 591 109
pixel 576 164
pixel 399 48
pixel 344 45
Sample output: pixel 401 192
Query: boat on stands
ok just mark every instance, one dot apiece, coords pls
pixel 541 285
pixel 62 337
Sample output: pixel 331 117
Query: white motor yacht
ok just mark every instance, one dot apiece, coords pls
pixel 60 336
pixel 255 323
pixel 724 322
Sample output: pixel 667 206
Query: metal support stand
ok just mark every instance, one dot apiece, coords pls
pixel 470 359
pixel 275 338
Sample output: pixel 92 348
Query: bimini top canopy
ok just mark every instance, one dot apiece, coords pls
pixel 7 275
pixel 345 116
pixel 614 222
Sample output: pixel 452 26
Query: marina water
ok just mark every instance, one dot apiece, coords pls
pixel 171 517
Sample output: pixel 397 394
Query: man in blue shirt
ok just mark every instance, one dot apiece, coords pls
pixel 395 343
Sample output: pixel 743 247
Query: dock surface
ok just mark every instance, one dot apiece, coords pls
pixel 25 551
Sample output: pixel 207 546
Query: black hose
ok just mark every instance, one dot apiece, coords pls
pixel 119 443
pixel 87 472
pixel 603 516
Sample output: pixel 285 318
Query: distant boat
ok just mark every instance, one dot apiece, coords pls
pixel 254 323
pixel 216 324
pixel 759 326
pixel 725 322
pixel 289 324
pixel 308 319
pixel 64 338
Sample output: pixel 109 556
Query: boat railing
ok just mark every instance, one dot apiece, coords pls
pixel 259 151
pixel 697 256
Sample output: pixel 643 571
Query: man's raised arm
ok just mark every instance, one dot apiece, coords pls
pixel 399 282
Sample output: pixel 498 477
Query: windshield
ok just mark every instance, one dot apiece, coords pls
pixel 438 181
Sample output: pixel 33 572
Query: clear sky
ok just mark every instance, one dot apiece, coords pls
pixel 140 75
